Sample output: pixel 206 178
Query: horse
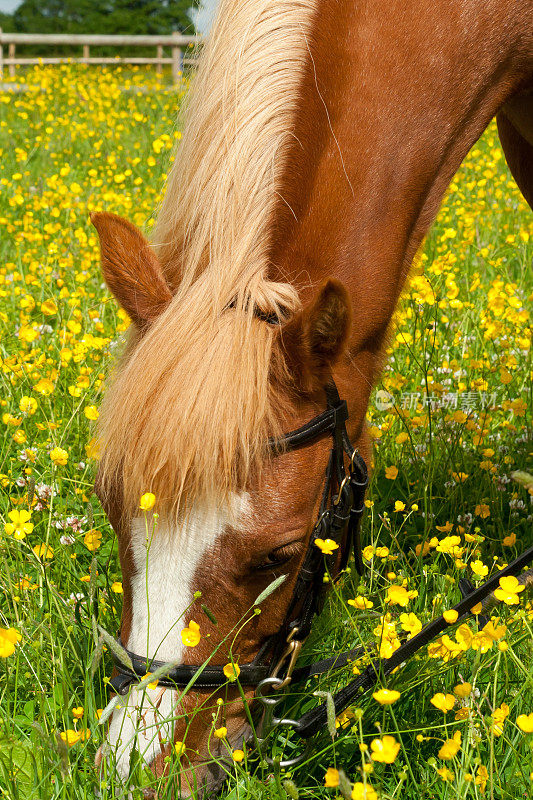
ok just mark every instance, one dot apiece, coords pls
pixel 320 138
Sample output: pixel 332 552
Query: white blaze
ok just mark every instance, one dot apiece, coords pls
pixel 166 560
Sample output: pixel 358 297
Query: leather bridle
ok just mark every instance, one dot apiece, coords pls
pixel 339 517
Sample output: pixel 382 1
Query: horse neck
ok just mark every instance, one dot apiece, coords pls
pixel 390 105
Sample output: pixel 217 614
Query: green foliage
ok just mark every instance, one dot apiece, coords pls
pixel 7 23
pixel 104 16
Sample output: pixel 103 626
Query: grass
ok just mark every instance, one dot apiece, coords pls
pixel 450 419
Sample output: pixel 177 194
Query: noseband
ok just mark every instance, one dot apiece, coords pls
pixel 339 517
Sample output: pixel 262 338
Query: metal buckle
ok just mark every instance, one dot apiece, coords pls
pixel 291 652
pixel 345 480
pixel 269 722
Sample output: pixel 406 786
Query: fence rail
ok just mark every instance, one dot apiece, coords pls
pixel 176 41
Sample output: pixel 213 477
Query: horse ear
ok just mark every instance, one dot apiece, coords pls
pixel 316 337
pixel 131 268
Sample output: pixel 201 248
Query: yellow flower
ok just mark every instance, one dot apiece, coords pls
pixel 147 501
pixel 410 623
pixel 43 551
pixel 398 595
pixel 19 527
pixel 446 774
pixel 509 541
pixel 479 568
pixel 28 405
pixel 49 307
pixel 71 737
pixel 153 684
pixel 179 748
pixel 482 510
pixel 482 777
pixel 450 616
pixel 368 552
pixel 237 755
pixel 451 747
pixel 44 386
pixel 385 749
pixel 399 506
pixel 509 590
pixel 8 639
pixel 518 406
pixel 327 546
pixel 9 419
pixel 331 778
pixel 498 718
pixel 444 702
pixel 92 449
pixel 361 791
pixel 391 473
pixel 220 733
pixel 77 713
pixel 464 636
pixel 525 722
pixel 92 539
pixel 361 603
pixel 116 587
pixel 386 697
pixel 28 333
pixel 19 437
pixel 91 412
pixel 232 671
pixel 450 545
pixel 494 631
pixel 402 437
pixel 59 456
pixel 459 477
pixel 462 689
pixel 190 636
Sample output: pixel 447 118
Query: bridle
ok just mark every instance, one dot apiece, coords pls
pixel 274 667
pixel 339 517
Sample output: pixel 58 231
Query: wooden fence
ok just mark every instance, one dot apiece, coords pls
pixel 175 41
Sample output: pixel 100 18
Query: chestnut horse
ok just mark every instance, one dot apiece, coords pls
pixel 320 138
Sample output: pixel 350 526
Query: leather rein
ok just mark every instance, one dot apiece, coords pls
pixel 339 518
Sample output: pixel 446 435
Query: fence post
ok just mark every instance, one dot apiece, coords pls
pixel 86 51
pixel 1 59
pixel 159 55
pixel 11 54
pixel 176 59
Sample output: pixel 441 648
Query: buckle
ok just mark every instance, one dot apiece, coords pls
pixel 291 652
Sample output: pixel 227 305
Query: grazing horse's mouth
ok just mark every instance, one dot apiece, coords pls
pixel 195 781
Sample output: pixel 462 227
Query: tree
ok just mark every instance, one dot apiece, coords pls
pixel 104 16
pixel 7 23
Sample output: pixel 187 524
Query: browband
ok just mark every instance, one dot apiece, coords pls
pixel 326 422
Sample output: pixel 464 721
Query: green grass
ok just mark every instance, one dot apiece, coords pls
pixel 89 139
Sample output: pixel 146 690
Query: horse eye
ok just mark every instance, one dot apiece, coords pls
pixel 277 557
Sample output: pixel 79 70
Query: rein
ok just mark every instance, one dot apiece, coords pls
pixel 274 667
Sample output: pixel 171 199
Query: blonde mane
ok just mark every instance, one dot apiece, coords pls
pixel 196 398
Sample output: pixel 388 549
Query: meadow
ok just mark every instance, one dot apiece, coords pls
pixel 450 420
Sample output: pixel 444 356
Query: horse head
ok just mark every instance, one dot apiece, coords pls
pixel 195 563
